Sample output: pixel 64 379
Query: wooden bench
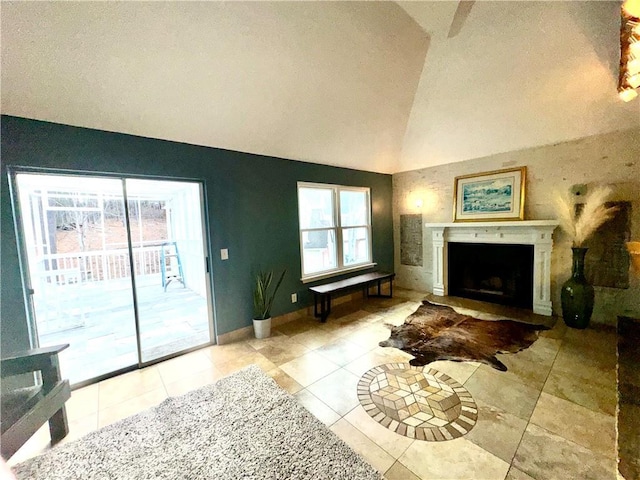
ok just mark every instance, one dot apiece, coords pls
pixel 364 281
pixel 25 410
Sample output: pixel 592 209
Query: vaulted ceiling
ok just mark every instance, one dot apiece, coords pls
pixel 378 86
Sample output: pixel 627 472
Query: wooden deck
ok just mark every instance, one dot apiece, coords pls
pixel 97 320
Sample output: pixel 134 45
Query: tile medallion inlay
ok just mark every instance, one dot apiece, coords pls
pixel 417 402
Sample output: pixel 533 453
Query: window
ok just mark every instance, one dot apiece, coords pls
pixel 335 228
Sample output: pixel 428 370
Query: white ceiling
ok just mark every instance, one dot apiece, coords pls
pixel 375 86
pixel 519 75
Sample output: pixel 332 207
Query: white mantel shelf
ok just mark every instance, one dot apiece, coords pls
pixel 518 223
pixel 538 233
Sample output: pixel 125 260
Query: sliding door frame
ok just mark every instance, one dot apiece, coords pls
pixel 27 285
pixel 132 263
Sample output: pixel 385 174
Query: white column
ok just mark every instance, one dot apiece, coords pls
pixel 440 260
pixel 542 273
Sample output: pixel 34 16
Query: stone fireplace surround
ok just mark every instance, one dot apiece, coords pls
pixel 538 233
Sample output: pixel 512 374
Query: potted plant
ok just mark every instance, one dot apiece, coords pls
pixel 262 302
pixel 577 295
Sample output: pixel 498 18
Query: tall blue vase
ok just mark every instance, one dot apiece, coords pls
pixel 577 294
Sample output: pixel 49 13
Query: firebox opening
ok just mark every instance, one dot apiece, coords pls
pixel 492 272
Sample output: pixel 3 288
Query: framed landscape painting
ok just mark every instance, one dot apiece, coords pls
pixel 490 196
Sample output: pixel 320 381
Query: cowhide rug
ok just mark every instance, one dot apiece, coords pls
pixel 437 332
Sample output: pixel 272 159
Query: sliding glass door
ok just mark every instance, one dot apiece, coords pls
pixel 166 232
pixel 115 267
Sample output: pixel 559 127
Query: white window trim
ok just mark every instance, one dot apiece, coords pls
pixel 337 227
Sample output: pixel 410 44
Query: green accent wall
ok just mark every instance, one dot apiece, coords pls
pixel 251 201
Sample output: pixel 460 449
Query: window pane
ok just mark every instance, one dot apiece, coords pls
pixel 355 246
pixel 354 208
pixel 315 207
pixel 318 251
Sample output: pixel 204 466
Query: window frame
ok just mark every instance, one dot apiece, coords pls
pixel 337 229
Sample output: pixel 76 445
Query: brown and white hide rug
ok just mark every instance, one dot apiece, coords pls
pixel 438 332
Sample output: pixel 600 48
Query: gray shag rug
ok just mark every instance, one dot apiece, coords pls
pixel 242 427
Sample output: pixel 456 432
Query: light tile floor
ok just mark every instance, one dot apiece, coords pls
pixel 550 416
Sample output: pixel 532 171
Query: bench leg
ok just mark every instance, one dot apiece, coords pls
pixel 379 294
pixel 58 425
pixel 325 306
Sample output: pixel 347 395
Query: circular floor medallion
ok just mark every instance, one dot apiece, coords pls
pixel 417 402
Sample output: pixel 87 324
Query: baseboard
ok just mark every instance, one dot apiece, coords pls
pixel 246 333
pixel 238 335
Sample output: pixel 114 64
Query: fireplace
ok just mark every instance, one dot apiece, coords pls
pixel 536 234
pixel 494 273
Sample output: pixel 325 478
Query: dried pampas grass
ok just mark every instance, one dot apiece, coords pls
pixel 566 214
pixel 593 214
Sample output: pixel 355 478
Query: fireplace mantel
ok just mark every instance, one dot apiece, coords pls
pixel 538 233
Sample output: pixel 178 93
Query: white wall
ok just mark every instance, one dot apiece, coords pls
pixel 612 158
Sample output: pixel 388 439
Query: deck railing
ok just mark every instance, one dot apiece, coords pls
pixel 64 268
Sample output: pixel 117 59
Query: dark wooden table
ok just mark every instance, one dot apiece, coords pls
pixel 628 438
pixel 324 292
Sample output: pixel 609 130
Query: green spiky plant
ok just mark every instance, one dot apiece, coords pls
pixel 262 299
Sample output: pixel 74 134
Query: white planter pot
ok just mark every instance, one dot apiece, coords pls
pixel 262 328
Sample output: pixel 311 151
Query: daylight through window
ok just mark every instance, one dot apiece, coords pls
pixel 335 228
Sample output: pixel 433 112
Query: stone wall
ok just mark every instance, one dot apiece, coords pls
pixel 612 159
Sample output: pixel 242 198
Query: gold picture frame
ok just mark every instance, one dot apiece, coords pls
pixel 490 196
